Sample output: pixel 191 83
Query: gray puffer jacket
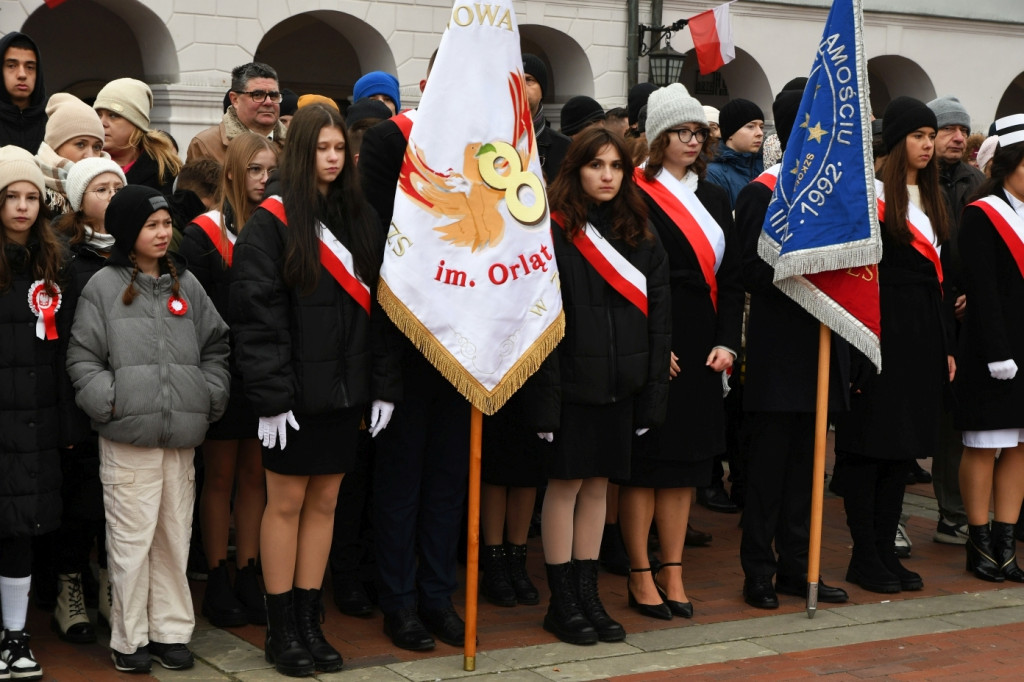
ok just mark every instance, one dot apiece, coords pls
pixel 145 376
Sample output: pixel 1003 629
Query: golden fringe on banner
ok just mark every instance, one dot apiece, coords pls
pixel 452 370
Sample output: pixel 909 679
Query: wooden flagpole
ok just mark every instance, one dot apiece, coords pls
pixel 818 475
pixel 476 423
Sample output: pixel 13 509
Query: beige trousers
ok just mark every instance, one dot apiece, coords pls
pixel 148 495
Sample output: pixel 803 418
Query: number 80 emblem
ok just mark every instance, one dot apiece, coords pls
pixel 511 181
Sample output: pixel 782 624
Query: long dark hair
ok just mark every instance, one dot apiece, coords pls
pixel 897 200
pixel 46 259
pixel 656 155
pixel 344 210
pixel 1004 164
pixel 628 209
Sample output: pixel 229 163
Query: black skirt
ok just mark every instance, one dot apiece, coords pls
pixel 511 453
pixel 655 471
pixel 239 420
pixel 593 441
pixel 324 444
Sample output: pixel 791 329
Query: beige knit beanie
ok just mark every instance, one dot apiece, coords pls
pixel 671 106
pixel 129 98
pixel 70 117
pixel 16 165
pixel 83 172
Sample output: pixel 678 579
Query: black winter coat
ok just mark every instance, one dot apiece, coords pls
pixel 145 172
pixel 611 351
pixel 695 427
pixel 993 329
pixel 782 338
pixel 30 478
pixel 23 127
pixel 308 353
pixel 959 182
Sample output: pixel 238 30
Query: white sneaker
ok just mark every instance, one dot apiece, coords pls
pixel 15 653
pixel 902 542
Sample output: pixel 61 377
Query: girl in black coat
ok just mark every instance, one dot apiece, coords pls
pixel 693 221
pixel 231 450
pixel 989 390
pixel 894 415
pixel 613 364
pixel 31 326
pixel 302 342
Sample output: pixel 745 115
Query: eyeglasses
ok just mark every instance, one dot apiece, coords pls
pixel 685 134
pixel 259 96
pixel 259 172
pixel 106 192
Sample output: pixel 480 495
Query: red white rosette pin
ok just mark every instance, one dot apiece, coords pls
pixel 177 305
pixel 44 301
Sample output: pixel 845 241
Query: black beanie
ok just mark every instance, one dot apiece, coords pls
pixel 736 114
pixel 785 107
pixel 578 112
pixel 641 120
pixel 903 116
pixel 127 212
pixel 366 108
pixel 534 65
pixel 637 98
pixel 289 102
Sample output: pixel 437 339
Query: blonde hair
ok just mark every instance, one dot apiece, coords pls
pixel 156 145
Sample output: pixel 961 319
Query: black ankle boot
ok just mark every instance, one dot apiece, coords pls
pixel 247 589
pixel 909 580
pixel 220 605
pixel 860 485
pixel 283 647
pixel 608 630
pixel 980 555
pixel 309 614
pixel 1005 551
pixel 526 591
pixel 496 586
pixel 564 618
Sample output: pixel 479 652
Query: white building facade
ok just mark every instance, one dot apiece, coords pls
pixel 185 49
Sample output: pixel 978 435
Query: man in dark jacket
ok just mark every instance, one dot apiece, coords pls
pixel 551 144
pixel 959 181
pixel 23 99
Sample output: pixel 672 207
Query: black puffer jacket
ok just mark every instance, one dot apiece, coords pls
pixel 23 127
pixel 30 502
pixel 611 351
pixel 308 353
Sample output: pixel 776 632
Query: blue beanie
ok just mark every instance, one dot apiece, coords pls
pixel 377 83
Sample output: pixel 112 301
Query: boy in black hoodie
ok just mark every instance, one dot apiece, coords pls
pixel 23 98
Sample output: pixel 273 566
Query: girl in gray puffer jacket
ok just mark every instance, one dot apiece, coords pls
pixel 149 360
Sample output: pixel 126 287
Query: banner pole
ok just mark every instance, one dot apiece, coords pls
pixel 473 537
pixel 818 475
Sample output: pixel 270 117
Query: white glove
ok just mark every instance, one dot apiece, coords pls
pixel 640 432
pixel 1004 369
pixel 546 435
pixel 272 429
pixel 380 416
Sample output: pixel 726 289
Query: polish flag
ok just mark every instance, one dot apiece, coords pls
pixel 712 38
pixel 53 3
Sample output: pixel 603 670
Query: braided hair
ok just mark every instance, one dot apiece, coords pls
pixel 129 293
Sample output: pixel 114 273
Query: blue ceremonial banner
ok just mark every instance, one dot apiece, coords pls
pixel 823 217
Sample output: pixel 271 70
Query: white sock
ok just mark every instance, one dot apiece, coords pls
pixel 14 598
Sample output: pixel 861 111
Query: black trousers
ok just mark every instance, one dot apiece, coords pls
pixel 778 499
pixel 350 558
pixel 419 488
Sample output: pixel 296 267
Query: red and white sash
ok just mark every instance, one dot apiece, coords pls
pixel 611 265
pixel 1008 224
pixel 333 256
pixel 769 177
pixel 209 223
pixel 683 207
pixel 920 229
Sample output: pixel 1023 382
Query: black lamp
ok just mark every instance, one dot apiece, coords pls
pixel 666 65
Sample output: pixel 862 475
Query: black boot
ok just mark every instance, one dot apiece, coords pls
pixel 564 618
pixel 526 591
pixel 613 551
pixel 309 614
pixel 866 568
pixel 1005 551
pixel 283 647
pixel 220 605
pixel 249 594
pixel 980 556
pixel 889 490
pixel 496 586
pixel 608 630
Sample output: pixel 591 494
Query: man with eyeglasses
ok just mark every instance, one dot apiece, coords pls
pixel 255 107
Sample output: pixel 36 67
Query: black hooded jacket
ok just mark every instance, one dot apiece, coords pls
pixel 23 127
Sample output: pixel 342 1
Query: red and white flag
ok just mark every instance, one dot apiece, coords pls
pixel 712 38
pixel 53 3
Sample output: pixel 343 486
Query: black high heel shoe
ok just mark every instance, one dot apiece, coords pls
pixel 660 611
pixel 683 609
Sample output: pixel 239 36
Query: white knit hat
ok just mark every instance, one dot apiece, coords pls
pixel 711 113
pixel 16 165
pixel 129 98
pixel 671 106
pixel 83 172
pixel 70 117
